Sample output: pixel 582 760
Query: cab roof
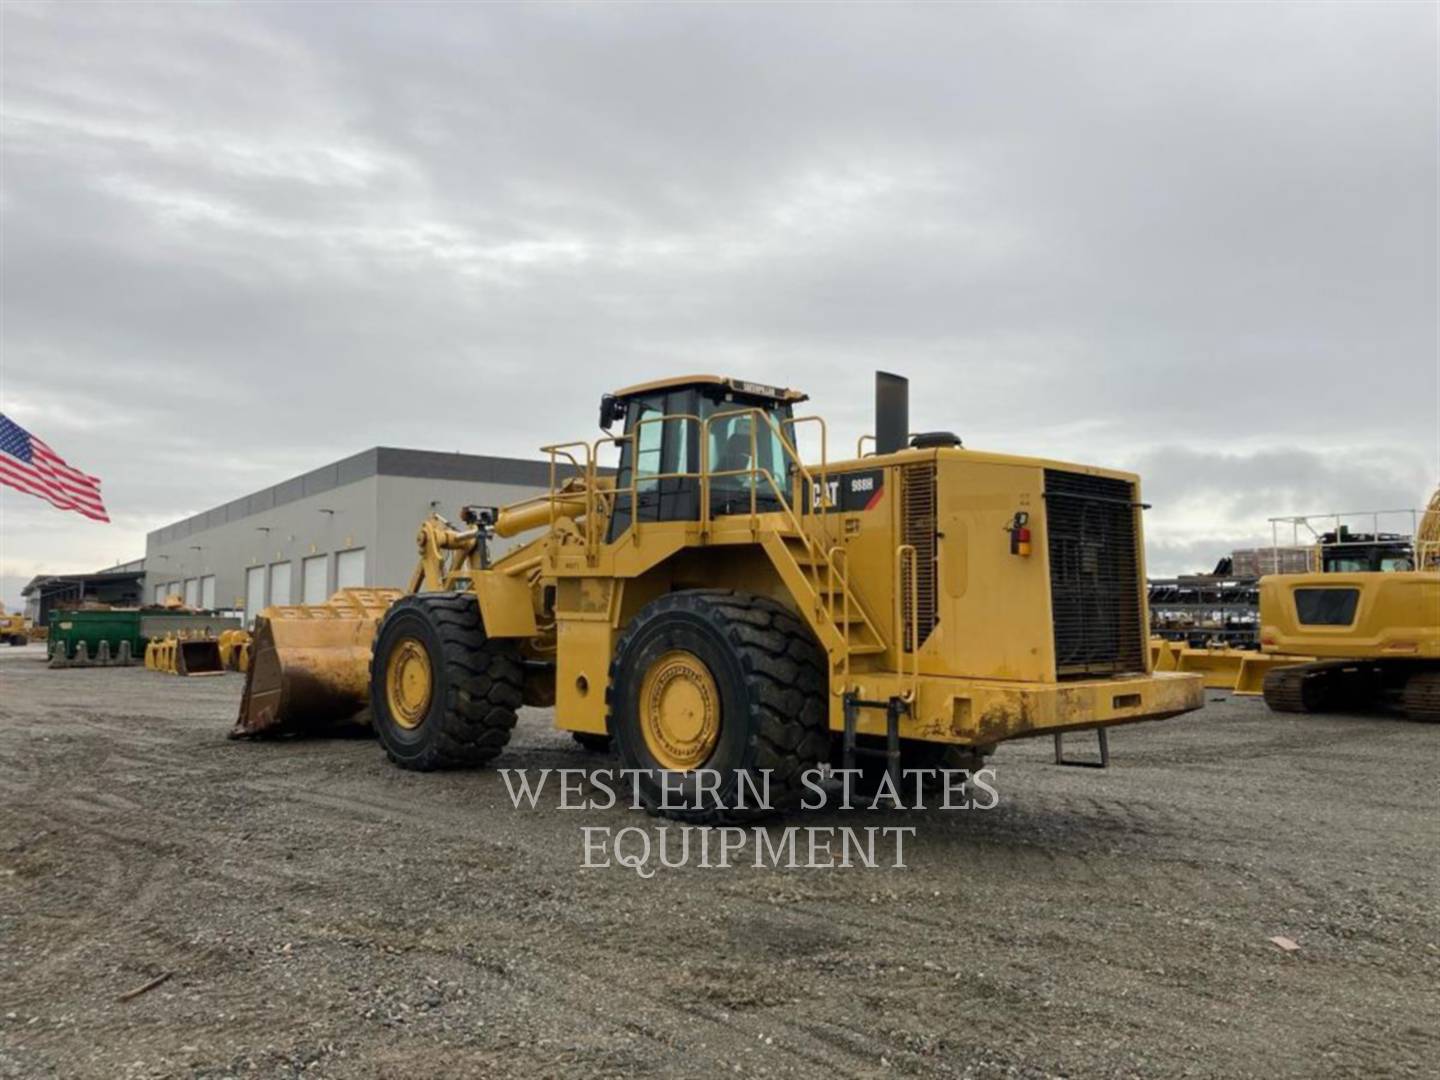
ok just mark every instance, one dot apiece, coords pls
pixel 738 386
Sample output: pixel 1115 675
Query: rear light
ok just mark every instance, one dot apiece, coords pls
pixel 1020 534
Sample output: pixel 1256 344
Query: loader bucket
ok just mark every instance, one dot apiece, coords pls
pixel 233 645
pixel 1164 655
pixel 1220 668
pixel 309 666
pixel 199 656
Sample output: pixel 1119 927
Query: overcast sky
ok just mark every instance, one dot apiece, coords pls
pixel 1194 240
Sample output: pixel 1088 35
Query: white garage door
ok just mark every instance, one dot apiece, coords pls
pixel 192 592
pixel 159 594
pixel 350 569
pixel 207 592
pixel 254 592
pixel 313 572
pixel 280 583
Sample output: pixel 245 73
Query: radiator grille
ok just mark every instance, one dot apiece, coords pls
pixel 918 507
pixel 1094 574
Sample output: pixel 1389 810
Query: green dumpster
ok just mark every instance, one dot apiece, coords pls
pixel 70 628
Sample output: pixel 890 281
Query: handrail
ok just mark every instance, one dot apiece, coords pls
pixel 831 564
pixel 907 632
pixel 756 471
pixel 633 438
pixel 587 473
pixel 838 566
pixel 823 500
pixel 860 444
pixel 805 478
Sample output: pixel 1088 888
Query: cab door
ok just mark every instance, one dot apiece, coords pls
pixel 663 458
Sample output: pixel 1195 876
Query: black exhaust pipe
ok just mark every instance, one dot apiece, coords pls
pixel 892 412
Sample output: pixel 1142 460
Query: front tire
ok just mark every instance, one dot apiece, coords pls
pixel 723 681
pixel 442 694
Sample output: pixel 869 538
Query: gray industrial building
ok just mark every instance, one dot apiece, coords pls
pixel 347 524
pixel 121 586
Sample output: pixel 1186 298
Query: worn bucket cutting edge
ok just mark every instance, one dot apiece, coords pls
pixel 310 666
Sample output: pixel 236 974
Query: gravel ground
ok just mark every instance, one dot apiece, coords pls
pixel 321 912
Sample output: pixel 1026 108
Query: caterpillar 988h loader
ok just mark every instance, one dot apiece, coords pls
pixel 716 604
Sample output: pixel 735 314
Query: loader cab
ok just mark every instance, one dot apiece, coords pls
pixel 660 453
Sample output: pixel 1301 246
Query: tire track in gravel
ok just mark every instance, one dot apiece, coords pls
pixel 1074 890
pixel 107 887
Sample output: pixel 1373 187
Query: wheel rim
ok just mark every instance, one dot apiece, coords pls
pixel 409 683
pixel 679 711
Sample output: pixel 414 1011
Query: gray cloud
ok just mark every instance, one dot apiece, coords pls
pixel 241 240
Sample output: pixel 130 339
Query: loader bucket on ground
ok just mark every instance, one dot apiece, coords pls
pixel 1218 667
pixel 233 645
pixel 309 668
pixel 199 656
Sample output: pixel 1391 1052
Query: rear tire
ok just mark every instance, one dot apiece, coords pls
pixel 767 712
pixel 442 694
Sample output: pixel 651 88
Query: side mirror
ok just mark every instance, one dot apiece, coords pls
pixel 610 411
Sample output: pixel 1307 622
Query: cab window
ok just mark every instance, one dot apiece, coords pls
pixel 663 457
pixel 659 457
pixel 735 460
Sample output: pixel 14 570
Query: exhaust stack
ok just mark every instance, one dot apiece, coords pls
pixel 892 412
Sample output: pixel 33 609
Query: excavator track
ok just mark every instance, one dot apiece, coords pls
pixel 1420 699
pixel 1295 690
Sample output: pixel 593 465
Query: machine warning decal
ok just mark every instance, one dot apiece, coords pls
pixel 852 492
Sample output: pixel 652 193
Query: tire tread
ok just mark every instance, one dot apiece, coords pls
pixel 482 679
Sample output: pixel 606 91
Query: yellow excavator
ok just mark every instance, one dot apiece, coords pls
pixel 1370 638
pixel 718 604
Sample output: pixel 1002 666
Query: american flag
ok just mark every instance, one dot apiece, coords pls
pixel 28 465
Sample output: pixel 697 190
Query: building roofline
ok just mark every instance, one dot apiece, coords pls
pixel 41 580
pixel 376 461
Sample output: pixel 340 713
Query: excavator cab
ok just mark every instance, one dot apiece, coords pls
pixel 677 430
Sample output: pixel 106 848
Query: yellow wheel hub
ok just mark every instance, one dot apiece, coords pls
pixel 408 683
pixel 680 711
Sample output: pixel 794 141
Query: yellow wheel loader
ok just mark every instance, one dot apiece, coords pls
pixel 718 608
pixel 1372 638
pixel 14 629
